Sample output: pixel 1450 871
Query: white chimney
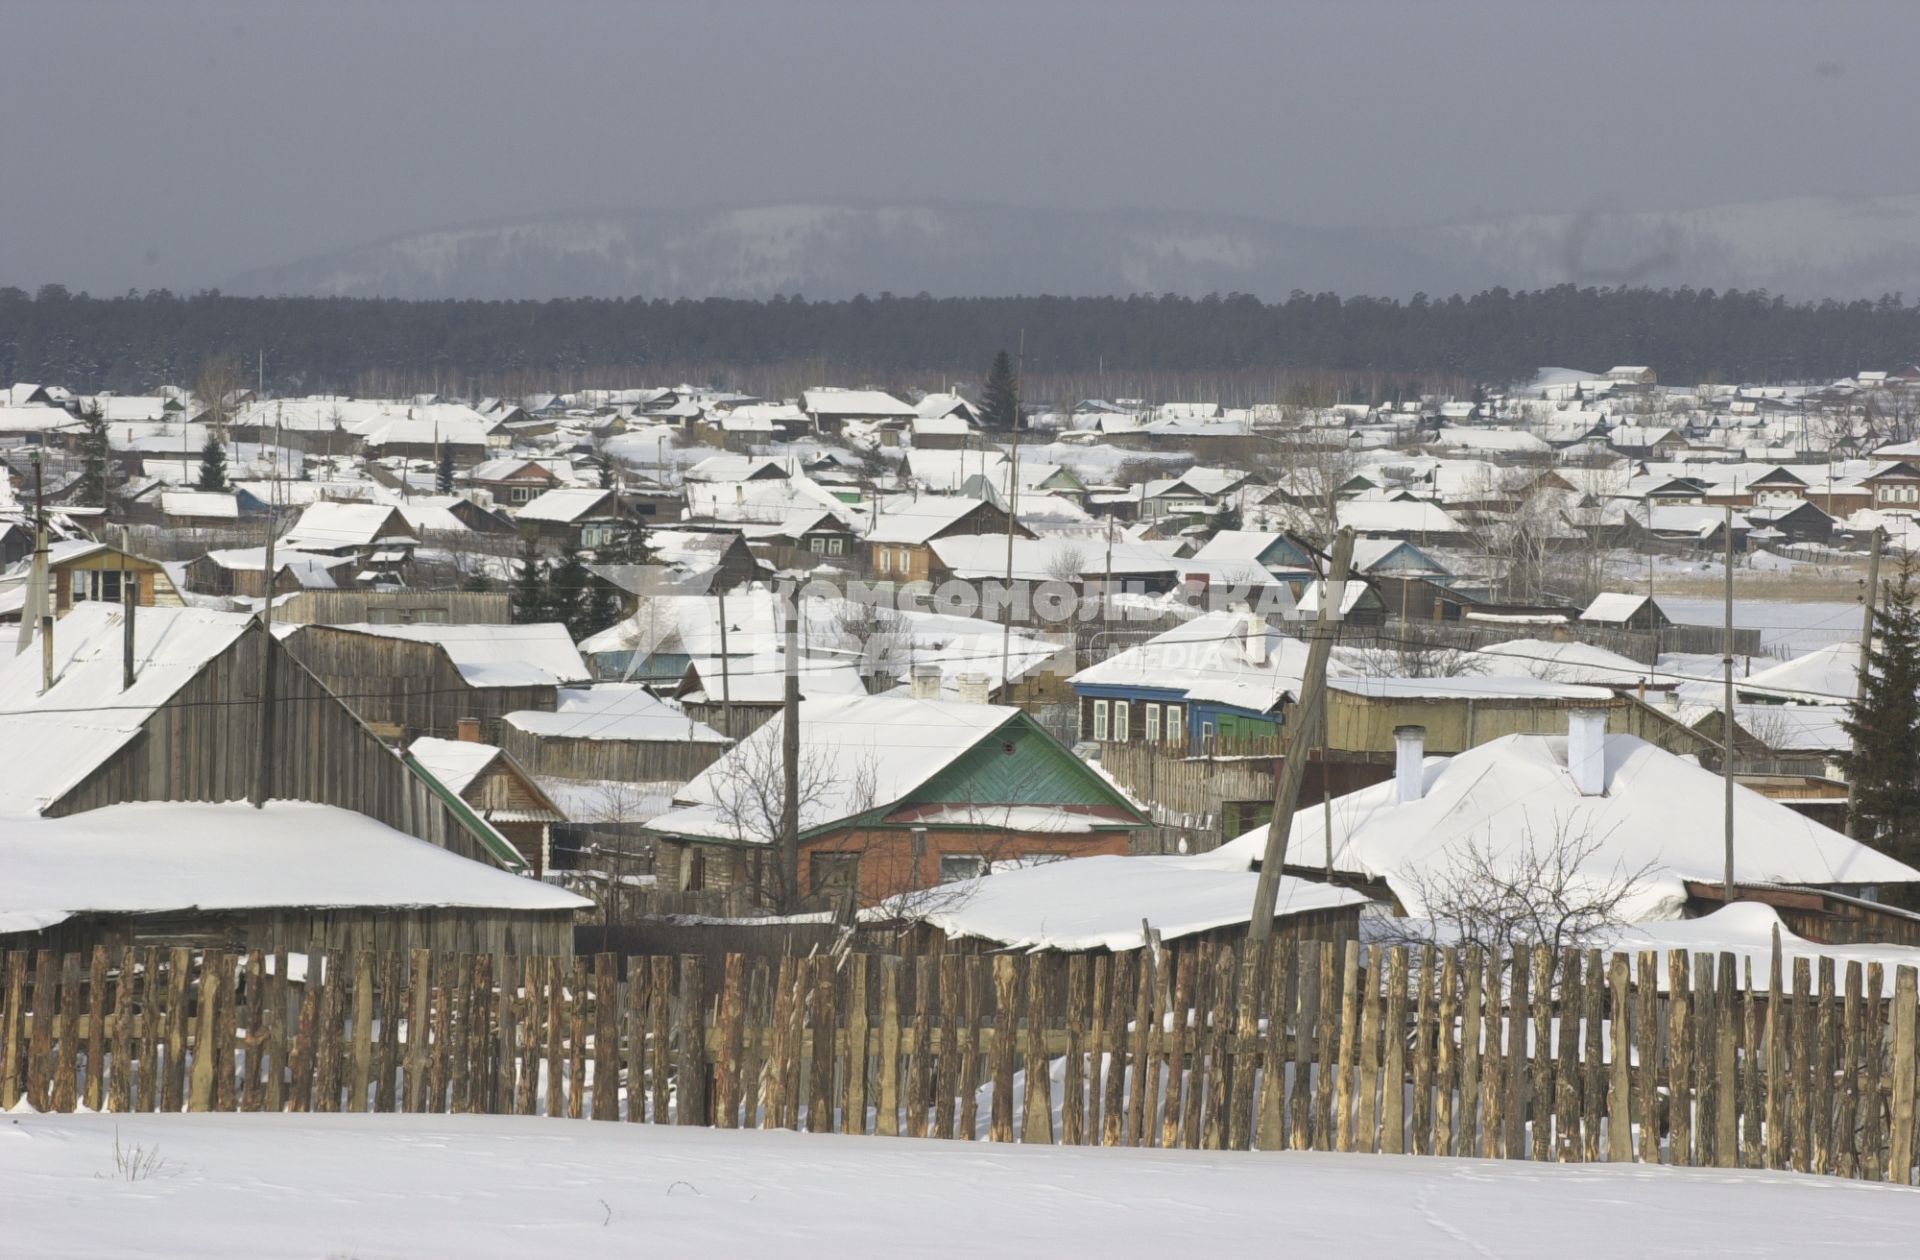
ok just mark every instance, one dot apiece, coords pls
pixel 926 682
pixel 1587 750
pixel 1255 629
pixel 1409 762
pixel 973 688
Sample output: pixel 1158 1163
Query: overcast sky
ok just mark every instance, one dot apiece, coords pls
pixel 146 145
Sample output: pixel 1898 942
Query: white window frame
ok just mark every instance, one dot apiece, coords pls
pixel 885 559
pixel 1172 728
pixel 1153 723
pixel 1100 708
pixel 1122 721
pixel 91 584
pixel 836 546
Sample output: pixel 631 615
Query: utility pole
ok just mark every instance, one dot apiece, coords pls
pixel 1866 657
pixel 726 668
pixel 129 603
pixel 1306 723
pixel 263 769
pixel 42 579
pixel 1726 723
pixel 790 769
pixel 1013 510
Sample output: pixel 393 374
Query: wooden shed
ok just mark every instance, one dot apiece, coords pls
pixel 422 679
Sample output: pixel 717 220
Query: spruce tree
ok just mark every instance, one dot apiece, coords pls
pixel 213 463
pixel 601 609
pixel 567 592
pixel 532 600
pixel 443 474
pixel 1884 762
pixel 95 458
pixel 1000 400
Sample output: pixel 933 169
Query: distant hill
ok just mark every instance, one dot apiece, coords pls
pixel 1805 247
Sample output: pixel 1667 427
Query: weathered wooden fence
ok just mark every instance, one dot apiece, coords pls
pixel 1570 1056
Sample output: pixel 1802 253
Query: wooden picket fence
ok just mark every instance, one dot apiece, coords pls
pixel 1567 1056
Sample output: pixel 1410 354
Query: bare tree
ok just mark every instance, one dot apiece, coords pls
pixel 1414 654
pixel 214 388
pixel 1546 890
pixel 750 794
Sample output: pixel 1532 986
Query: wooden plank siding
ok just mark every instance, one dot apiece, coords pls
pixel 616 760
pixel 202 745
pixel 407 684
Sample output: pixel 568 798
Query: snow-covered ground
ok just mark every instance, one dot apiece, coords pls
pixel 232 1187
pixel 1787 627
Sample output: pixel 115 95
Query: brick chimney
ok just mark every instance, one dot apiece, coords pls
pixel 468 729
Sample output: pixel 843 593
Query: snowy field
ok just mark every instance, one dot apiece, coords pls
pixel 1787 628
pixel 371 1187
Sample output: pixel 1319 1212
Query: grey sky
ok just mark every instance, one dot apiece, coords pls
pixel 176 144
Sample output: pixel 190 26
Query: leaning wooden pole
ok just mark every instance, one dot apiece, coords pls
pixel 1305 729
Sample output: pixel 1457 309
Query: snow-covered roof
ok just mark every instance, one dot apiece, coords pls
pixel 1238 544
pixel 1826 673
pixel 200 503
pixel 1614 606
pixel 1056 557
pixel 615 711
pixel 539 655
pixel 1570 662
pixel 327 524
pixel 565 504
pixel 1100 902
pixel 1402 517
pixel 871 750
pixel 910 519
pixel 761 678
pixel 854 402
pixel 1209 659
pixel 177 856
pixel 54 739
pixel 455 762
pixel 1657 810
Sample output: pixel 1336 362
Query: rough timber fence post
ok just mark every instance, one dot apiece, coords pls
pixel 96 1029
pixel 1900 1132
pixel 606 1033
pixel 1006 1021
pixel 820 1096
pixel 952 1007
pixel 66 1059
pixel 206 1052
pixel 362 1075
pixel 692 1069
pixel 13 1023
pixel 727 1077
pixel 1037 1123
pixel 1424 1051
pixel 853 1102
pixel 1073 1090
pixel 926 994
pixel 887 1123
pixel 1619 1082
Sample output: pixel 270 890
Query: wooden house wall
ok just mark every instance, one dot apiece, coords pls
pixel 621 760
pixel 457 930
pixel 408 685
pixel 202 745
pixel 1454 724
pixel 465 608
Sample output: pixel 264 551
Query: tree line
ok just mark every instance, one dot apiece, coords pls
pixel 139 340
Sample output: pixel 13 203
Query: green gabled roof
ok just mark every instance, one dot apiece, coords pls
pixel 1018 763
